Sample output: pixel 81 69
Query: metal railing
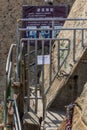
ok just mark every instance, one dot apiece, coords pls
pixel 9 75
pixel 17 121
pixel 60 51
pixel 9 67
pixel 61 57
pixel 9 64
pixel 53 24
pixel 28 75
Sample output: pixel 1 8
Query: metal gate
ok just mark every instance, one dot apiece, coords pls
pixel 37 53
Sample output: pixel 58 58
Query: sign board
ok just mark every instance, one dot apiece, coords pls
pixel 43 59
pixel 43 12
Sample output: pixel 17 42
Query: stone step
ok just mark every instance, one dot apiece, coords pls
pixel 53 119
pixel 31 121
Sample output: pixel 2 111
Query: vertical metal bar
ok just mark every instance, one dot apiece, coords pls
pixel 52 28
pixel 50 67
pixel 74 45
pixel 28 76
pixel 36 100
pixel 58 54
pixel 82 38
pixel 43 79
pixel 17 49
pixel 19 60
pixel 17 114
pixel 15 122
pixel 68 47
pixel 25 90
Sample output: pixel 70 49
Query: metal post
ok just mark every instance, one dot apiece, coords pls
pixel 52 28
pixel 17 49
pixel 43 80
pixel 36 100
pixel 82 38
pixel 50 72
pixel 74 45
pixel 58 55
pixel 43 89
pixel 15 122
pixel 28 76
pixel 17 115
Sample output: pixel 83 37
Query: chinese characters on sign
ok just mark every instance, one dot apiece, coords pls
pixel 43 12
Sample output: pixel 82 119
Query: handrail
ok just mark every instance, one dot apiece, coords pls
pixel 16 117
pixel 50 29
pixel 8 80
pixel 45 39
pixel 9 66
pixel 52 19
pixel 15 122
pixel 9 58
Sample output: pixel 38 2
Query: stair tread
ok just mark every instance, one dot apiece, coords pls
pixel 31 118
pixel 53 119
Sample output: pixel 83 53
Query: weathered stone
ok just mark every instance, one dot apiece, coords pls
pixel 78 11
pixel 80 113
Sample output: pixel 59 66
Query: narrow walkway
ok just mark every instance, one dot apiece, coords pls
pixel 53 118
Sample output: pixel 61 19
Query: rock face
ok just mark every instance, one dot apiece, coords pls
pixel 73 88
pixel 10 11
pixel 82 104
pixel 80 113
pixel 78 11
pixel 64 95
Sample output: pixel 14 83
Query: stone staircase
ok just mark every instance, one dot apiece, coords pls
pixel 53 119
